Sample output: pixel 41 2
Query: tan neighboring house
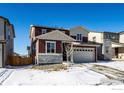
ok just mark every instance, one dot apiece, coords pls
pixel 84 50
pixel 7 36
pixel 112 44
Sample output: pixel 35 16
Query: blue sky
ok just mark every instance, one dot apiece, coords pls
pixel 98 17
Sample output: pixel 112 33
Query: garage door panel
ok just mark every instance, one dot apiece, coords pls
pixel 84 55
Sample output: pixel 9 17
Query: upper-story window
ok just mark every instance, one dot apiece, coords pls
pixel 85 39
pixel 112 37
pixel 9 34
pixel 44 31
pixel 94 39
pixel 79 37
pixel 34 48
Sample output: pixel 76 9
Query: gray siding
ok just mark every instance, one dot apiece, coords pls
pixel 1 29
pixel 6 37
pixel 0 55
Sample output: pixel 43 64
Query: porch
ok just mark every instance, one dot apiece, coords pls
pixel 117 51
pixel 49 47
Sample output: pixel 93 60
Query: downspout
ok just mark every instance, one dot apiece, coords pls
pixel 3 46
pixel 3 55
pixel 37 52
pixel 72 54
pixel 96 54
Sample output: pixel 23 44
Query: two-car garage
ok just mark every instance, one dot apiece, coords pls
pixel 84 54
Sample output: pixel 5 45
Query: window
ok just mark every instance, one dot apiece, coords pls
pixel 8 34
pixel 73 37
pixel 44 31
pixel 107 49
pixel 94 39
pixel 50 47
pixel 79 37
pixel 34 48
pixel 108 36
pixel 85 39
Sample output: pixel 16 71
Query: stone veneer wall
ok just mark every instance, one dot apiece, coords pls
pixel 50 58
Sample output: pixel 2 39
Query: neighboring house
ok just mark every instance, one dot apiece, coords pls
pixel 7 35
pixel 85 51
pixel 79 33
pixel 48 45
pixel 112 44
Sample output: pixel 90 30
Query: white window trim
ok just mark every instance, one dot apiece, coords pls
pixel 54 47
pixel 44 30
pixel 79 37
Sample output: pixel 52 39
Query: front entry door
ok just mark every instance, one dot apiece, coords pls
pixel 116 52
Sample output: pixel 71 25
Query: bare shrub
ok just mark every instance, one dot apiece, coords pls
pixel 53 67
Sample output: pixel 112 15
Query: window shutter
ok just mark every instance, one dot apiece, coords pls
pixel 58 47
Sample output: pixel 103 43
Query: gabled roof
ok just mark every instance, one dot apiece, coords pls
pixel 5 19
pixel 11 25
pixel 80 27
pixel 48 27
pixel 55 35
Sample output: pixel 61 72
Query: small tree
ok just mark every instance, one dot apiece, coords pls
pixel 69 50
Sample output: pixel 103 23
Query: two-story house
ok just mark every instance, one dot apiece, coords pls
pixel 7 36
pixel 49 45
pixel 84 51
pixel 112 44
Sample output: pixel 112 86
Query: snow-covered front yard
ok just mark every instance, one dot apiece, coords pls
pixel 76 74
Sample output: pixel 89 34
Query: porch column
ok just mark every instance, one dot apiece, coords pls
pixel 96 54
pixel 72 54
